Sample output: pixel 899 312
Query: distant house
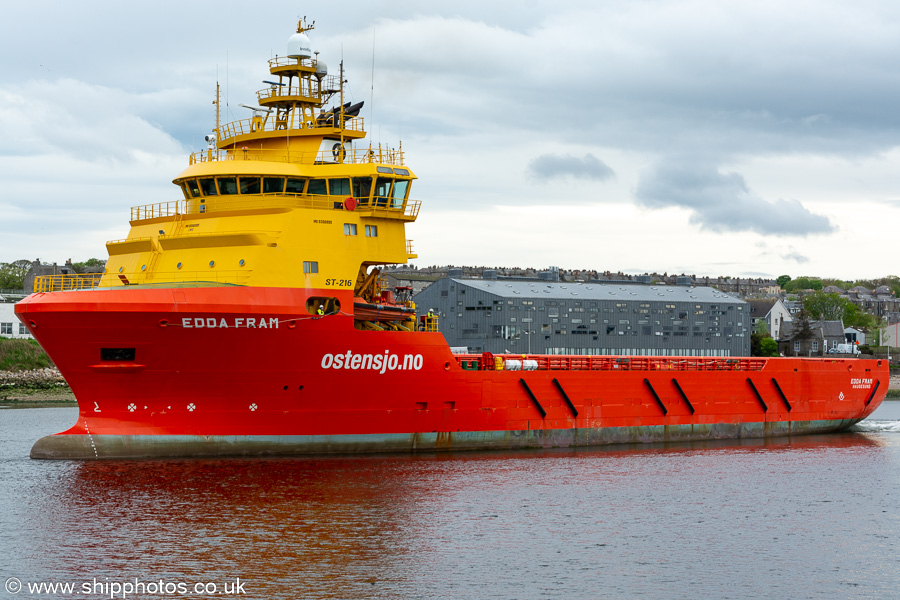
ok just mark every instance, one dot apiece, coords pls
pixel 890 335
pixel 809 338
pixel 853 335
pixel 39 269
pixel 10 325
pixel 773 312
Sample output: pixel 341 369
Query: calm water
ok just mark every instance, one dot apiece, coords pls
pixel 812 517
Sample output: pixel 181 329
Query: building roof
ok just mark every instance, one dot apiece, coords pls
pixel 599 291
pixel 819 329
pixel 760 308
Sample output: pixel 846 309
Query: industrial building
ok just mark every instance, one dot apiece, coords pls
pixel 544 317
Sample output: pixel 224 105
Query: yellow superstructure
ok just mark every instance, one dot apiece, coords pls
pixel 282 199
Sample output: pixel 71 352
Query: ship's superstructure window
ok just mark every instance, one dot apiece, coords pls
pixel 193 187
pixel 228 185
pixel 317 187
pixel 184 189
pixel 400 187
pixel 339 187
pixel 349 228
pixel 310 266
pixel 371 230
pixel 208 187
pixel 382 191
pixel 295 186
pixel 362 189
pixel 273 185
pixel 249 185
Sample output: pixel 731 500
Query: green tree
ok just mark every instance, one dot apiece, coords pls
pixel 91 262
pixel 768 347
pixel 761 327
pixel 12 275
pixel 782 280
pixel 828 307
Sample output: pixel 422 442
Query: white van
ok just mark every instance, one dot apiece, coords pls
pixel 845 349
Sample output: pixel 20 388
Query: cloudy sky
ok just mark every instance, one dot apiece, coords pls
pixel 716 138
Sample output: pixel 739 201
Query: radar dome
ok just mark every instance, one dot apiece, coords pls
pixel 299 46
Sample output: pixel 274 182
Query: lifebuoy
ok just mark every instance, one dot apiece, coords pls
pixel 350 203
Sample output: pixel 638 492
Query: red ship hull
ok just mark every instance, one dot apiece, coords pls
pixel 247 371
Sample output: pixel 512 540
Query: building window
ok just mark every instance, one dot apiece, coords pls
pixel 310 266
pixel 22 330
pixel 371 230
pixel 815 345
pixel 350 229
pixel 5 328
pixel 796 346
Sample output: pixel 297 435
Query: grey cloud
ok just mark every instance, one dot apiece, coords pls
pixel 548 166
pixel 723 202
pixel 797 258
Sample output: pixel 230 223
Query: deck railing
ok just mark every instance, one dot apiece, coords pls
pixel 354 156
pixel 67 282
pixel 546 362
pixel 242 202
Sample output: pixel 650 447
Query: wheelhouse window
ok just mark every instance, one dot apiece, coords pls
pixel 399 195
pixel 273 185
pixel 362 189
pixel 228 185
pixel 317 187
pixel 193 187
pixel 295 186
pixel 249 185
pixel 339 187
pixel 310 266
pixel 208 187
pixel 382 191
pixel 185 191
pixel 371 230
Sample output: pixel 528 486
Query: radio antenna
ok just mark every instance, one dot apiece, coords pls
pixel 372 93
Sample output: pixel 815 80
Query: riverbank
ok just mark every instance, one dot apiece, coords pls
pixel 37 387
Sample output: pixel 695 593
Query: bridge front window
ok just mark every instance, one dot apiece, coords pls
pixel 249 185
pixel 362 189
pixel 228 185
pixel 317 187
pixel 339 187
pixel 295 186
pixel 193 187
pixel 273 185
pixel 382 191
pixel 400 187
pixel 208 187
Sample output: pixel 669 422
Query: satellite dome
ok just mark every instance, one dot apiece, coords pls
pixel 321 69
pixel 299 46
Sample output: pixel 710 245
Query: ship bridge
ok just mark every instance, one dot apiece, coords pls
pixel 280 200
